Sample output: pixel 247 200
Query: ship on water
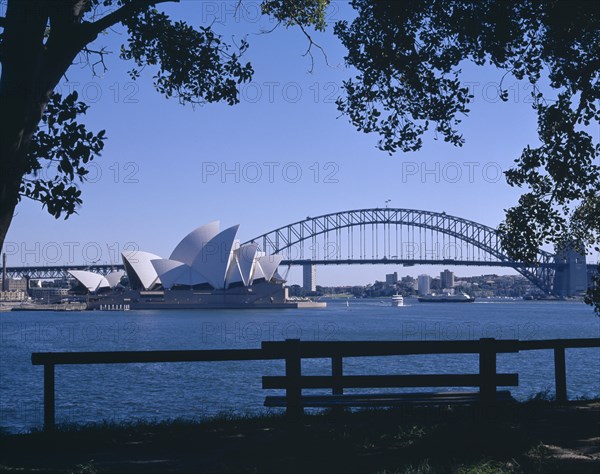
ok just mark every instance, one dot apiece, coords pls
pixel 446 298
pixel 397 300
pixel 208 269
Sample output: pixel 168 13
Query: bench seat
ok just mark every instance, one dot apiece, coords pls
pixel 388 399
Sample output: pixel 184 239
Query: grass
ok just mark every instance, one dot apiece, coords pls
pixel 379 441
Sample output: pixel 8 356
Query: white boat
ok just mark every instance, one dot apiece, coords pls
pixel 397 300
pixel 446 298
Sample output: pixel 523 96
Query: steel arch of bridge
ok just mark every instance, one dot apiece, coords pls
pixel 334 238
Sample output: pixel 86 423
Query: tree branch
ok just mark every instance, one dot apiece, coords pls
pixel 126 11
pixel 237 6
pixel 266 32
pixel 34 199
pixel 312 43
pixel 100 61
pixel 2 22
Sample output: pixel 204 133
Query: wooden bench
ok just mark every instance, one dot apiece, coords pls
pixel 487 350
pixel 293 382
pixel 388 399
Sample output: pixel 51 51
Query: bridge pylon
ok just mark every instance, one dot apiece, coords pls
pixel 309 277
pixel 571 274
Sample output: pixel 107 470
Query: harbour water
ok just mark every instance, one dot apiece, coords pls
pixel 195 390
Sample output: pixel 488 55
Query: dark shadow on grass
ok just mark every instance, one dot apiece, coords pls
pixel 418 440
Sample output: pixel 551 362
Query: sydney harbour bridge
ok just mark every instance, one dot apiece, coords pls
pixel 392 236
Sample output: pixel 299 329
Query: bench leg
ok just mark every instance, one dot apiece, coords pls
pixel 49 402
pixel 560 374
pixel 487 373
pixel 293 371
pixel 337 372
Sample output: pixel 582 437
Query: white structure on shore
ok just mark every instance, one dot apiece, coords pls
pixel 95 282
pixel 205 259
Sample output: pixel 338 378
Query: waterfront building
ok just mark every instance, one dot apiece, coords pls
pixel 309 277
pixel 13 295
pixel 16 284
pixel 206 259
pixel 424 284
pixel 48 293
pixel 391 278
pixel 209 268
pixel 447 279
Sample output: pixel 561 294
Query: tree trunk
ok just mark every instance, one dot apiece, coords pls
pixel 21 60
pixel 8 202
pixel 31 68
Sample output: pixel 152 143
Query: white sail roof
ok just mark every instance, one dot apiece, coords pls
pixel 278 278
pixel 190 247
pixel 114 277
pixel 92 281
pixel 215 256
pixel 245 256
pixel 168 271
pixel 173 273
pixel 233 273
pixel 257 272
pixel 141 264
pixel 269 264
pixel 205 255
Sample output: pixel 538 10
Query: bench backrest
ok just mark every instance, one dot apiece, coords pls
pixel 294 350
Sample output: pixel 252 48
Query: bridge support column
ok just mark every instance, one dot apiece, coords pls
pixel 571 276
pixel 309 277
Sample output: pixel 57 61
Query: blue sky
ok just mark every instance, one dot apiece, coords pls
pixel 164 169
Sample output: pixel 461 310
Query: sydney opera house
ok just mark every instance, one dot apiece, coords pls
pixel 207 269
